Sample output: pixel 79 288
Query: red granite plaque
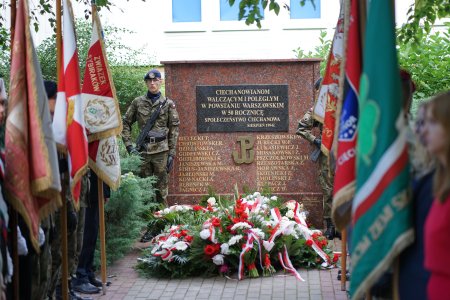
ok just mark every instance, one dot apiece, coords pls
pixel 212 152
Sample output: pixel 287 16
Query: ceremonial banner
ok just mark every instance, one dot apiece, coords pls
pixel 325 106
pixel 100 105
pixel 344 179
pixel 101 110
pixel 382 210
pixel 104 160
pixel 68 122
pixel 32 179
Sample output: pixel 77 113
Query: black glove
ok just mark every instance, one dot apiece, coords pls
pixel 132 150
pixel 317 142
pixel 72 220
pixel 169 163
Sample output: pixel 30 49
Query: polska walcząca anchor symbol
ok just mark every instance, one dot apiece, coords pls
pixel 247 143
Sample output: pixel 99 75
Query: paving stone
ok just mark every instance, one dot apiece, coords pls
pixel 319 284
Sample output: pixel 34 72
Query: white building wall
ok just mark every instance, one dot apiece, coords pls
pixel 212 39
pixel 158 39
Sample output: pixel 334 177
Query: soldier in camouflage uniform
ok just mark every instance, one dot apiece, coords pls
pixel 326 178
pixel 159 149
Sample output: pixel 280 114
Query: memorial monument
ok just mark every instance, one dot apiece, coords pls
pixel 237 126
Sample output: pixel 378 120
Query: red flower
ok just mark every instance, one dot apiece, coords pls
pixel 183 232
pixel 239 211
pixel 188 238
pixel 309 243
pixel 211 250
pixel 335 257
pixel 251 266
pixel 215 222
pixel 197 208
pixel 267 261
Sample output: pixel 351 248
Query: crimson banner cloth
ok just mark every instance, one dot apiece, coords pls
pixel 68 120
pixel 32 179
pixel 344 179
pixel 382 209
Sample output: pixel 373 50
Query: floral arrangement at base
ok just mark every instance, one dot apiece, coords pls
pixel 252 236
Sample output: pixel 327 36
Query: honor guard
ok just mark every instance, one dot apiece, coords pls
pixel 158 121
pixel 305 130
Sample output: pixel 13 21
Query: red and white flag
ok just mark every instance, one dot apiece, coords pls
pixel 325 107
pixel 101 110
pixel 32 181
pixel 100 105
pixel 68 121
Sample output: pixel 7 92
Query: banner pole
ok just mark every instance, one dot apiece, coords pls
pixel 58 38
pixel 101 213
pixel 64 246
pixel 343 259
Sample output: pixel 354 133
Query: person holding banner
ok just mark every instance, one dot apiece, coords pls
pixel 437 224
pixel 158 121
pixel 85 272
pixel 305 129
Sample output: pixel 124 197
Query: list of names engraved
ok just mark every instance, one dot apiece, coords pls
pixel 199 162
pixel 277 159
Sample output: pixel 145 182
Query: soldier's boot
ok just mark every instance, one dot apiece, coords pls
pixel 75 296
pixel 347 275
pixel 330 232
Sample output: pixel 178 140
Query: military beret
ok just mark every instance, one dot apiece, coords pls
pixel 50 88
pixel 152 74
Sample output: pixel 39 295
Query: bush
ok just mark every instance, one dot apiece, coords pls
pixel 125 212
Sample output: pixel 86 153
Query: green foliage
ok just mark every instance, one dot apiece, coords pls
pixel 44 7
pixel 129 83
pixel 421 18
pixel 321 51
pixel 429 64
pixel 125 211
pixel 250 12
pixel 128 79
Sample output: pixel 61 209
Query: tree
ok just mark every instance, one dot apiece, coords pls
pixel 44 7
pixel 428 64
pixel 424 11
pixel 421 18
pixel 127 66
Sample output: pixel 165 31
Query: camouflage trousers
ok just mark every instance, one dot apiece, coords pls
pixel 74 245
pixel 41 270
pixel 155 164
pixel 326 180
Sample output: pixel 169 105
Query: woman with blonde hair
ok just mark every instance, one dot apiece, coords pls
pixel 437 226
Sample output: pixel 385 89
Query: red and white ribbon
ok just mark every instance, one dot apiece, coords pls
pixel 307 232
pixel 248 246
pixel 287 264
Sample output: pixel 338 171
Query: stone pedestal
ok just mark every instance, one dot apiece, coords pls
pixel 237 126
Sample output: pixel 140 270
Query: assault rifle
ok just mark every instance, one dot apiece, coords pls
pixel 148 126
